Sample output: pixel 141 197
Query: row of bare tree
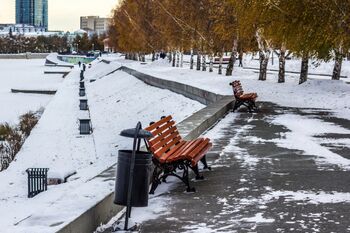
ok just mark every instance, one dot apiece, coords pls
pixel 317 29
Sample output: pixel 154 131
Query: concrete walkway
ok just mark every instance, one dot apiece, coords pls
pixel 263 188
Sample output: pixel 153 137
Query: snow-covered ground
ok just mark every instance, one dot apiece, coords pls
pixel 24 74
pixel 258 190
pixel 318 92
pixel 116 102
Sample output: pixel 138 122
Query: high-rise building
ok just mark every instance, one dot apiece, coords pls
pixel 32 12
pixel 94 24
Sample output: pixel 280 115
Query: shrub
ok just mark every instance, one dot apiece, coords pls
pixel 27 123
pixel 10 146
pixel 12 138
pixel 4 131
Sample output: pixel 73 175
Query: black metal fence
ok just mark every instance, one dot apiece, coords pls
pixel 37 181
pixel 81 92
pixel 85 126
pixel 83 105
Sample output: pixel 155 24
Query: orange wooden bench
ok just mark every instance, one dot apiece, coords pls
pixel 171 153
pixel 247 99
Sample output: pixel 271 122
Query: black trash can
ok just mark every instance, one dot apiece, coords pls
pixel 141 180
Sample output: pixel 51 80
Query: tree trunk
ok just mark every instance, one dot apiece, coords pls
pixel 240 58
pixel 232 61
pixel 204 65
pixel 337 65
pixel 153 56
pixel 264 53
pixel 282 66
pixel 304 68
pixel 174 59
pixel 272 58
pixel 198 61
pixel 177 59
pixel 220 61
pixel 182 59
pixel 211 63
pixel 191 60
pixel 170 57
pixel 264 61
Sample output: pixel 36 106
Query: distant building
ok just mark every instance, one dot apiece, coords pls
pixel 94 24
pixel 32 12
pixel 26 30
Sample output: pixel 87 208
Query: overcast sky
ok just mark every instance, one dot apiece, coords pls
pixel 63 14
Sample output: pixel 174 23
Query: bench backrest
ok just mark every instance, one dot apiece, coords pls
pixel 165 136
pixel 237 88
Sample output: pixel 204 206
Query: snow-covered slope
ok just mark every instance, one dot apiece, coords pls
pixel 24 74
pixel 116 102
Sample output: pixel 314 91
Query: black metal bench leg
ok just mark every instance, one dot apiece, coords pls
pixel 204 162
pixel 186 180
pixel 155 180
pixel 196 171
pixel 254 106
pixel 237 105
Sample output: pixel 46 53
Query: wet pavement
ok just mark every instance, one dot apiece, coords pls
pixel 257 186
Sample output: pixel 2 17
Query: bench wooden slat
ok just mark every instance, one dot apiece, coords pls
pixel 172 131
pixel 200 155
pixel 162 150
pixel 184 152
pixel 168 141
pixel 156 132
pixel 163 158
pixel 178 154
pixel 191 147
pixel 158 123
pixel 199 148
pixel 173 154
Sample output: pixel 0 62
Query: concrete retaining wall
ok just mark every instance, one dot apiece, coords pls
pixel 24 56
pixel 91 219
pixel 39 92
pixel 64 73
pixel 200 95
pixel 190 128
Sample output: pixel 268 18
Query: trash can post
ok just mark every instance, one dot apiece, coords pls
pixel 131 174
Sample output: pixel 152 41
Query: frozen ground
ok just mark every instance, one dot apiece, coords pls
pixel 24 74
pixel 284 169
pixel 263 179
pixel 116 102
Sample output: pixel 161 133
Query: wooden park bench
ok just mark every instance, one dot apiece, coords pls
pixel 172 154
pixel 247 99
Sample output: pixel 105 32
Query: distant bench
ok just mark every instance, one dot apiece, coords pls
pixel 41 92
pixel 245 99
pixel 225 60
pixel 172 153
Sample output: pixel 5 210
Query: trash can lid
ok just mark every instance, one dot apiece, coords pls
pixel 130 133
